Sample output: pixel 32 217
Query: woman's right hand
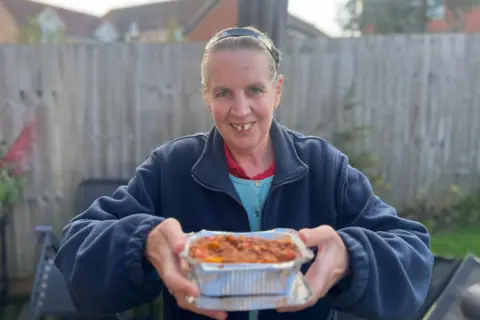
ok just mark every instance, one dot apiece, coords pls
pixel 164 244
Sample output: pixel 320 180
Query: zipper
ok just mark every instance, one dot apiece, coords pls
pixel 222 191
pixel 271 192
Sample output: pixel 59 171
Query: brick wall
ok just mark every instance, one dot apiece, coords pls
pixel 8 27
pixel 223 16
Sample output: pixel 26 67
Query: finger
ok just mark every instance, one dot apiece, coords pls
pixel 319 275
pixel 184 267
pixel 319 248
pixel 214 314
pixel 302 235
pixel 317 236
pixel 175 281
pixel 310 303
pixel 173 233
pixel 316 278
pixel 291 309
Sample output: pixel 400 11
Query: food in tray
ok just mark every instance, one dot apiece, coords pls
pixel 230 264
pixel 241 249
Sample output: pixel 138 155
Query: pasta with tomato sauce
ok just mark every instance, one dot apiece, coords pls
pixel 242 249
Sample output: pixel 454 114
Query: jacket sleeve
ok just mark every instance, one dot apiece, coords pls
pixel 102 250
pixel 390 258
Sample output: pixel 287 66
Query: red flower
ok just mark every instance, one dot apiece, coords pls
pixel 16 157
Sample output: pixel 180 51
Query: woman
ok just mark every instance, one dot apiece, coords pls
pixel 247 173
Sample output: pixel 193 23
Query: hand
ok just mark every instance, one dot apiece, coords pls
pixel 330 266
pixel 164 243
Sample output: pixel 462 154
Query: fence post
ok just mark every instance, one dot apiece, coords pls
pixel 269 16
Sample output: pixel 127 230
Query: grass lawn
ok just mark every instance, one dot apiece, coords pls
pixel 457 242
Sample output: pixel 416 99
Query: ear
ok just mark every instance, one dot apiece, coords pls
pixel 278 90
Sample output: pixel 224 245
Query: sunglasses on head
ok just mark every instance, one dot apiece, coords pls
pixel 241 32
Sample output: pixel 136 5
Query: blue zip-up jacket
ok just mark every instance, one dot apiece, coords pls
pixel 102 250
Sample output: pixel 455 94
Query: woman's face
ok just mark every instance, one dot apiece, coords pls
pixel 242 96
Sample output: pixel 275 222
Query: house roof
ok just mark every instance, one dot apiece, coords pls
pixel 77 23
pixel 199 16
pixel 300 25
pixel 156 15
pixel 187 14
pixel 470 22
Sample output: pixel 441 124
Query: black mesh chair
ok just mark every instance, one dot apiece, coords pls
pixel 470 302
pixel 5 215
pixel 461 299
pixel 89 190
pixel 443 271
pixel 50 296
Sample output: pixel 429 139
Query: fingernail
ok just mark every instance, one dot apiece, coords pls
pixel 179 247
pixel 304 234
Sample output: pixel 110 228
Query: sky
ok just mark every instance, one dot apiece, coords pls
pixel 322 13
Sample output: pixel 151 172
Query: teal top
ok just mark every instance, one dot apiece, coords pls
pixel 253 194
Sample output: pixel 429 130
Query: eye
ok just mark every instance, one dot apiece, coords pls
pixel 222 93
pixel 254 90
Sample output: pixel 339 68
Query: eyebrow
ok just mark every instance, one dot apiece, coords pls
pixel 254 84
pixel 257 84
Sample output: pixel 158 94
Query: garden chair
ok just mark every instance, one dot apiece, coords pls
pixel 443 270
pixel 470 302
pixel 4 285
pixel 461 298
pixel 50 296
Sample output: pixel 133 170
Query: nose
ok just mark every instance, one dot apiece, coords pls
pixel 241 106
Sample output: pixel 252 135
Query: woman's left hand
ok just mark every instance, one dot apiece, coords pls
pixel 330 266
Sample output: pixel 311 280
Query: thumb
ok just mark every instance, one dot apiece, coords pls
pixel 316 237
pixel 174 235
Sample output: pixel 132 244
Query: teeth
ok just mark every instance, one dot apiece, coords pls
pixel 242 127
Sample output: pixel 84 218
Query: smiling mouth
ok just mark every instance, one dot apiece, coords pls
pixel 242 127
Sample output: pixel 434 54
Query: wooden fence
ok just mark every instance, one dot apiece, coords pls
pixel 102 108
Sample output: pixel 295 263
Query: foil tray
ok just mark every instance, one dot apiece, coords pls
pixel 220 280
pixel 300 293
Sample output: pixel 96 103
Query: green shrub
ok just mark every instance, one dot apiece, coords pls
pixel 457 210
pixel 345 141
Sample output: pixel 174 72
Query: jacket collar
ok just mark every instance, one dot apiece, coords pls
pixel 211 168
